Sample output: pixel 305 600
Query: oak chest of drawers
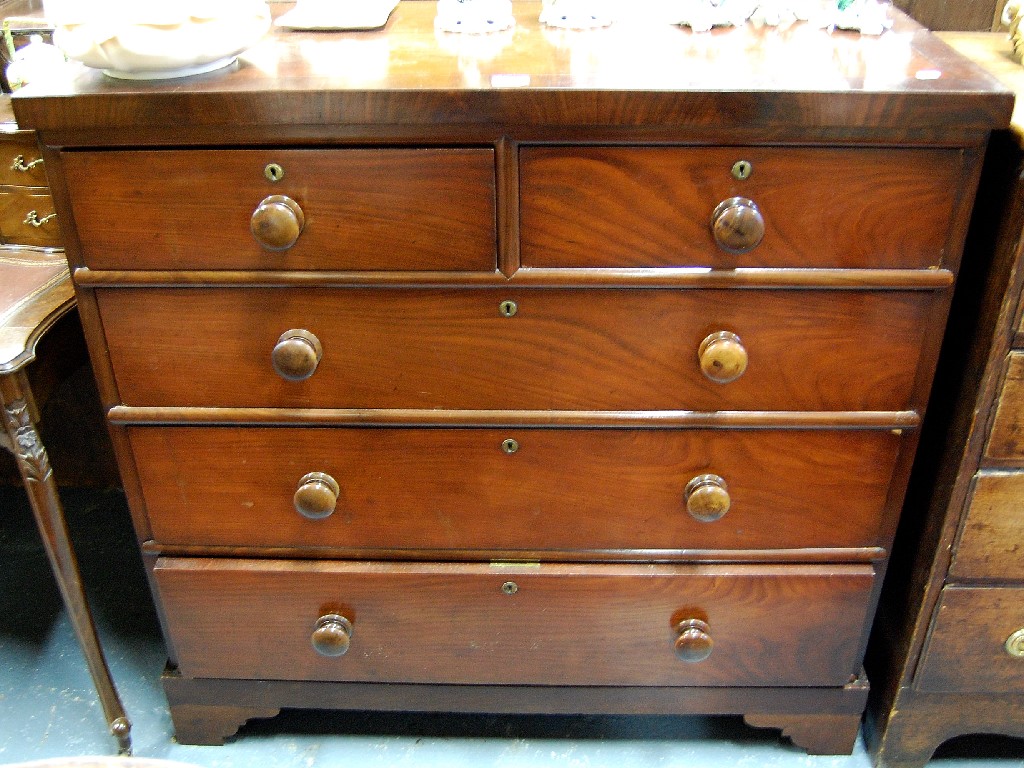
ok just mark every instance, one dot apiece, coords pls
pixel 509 377
pixel 952 617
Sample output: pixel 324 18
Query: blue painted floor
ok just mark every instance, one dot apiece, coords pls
pixel 48 707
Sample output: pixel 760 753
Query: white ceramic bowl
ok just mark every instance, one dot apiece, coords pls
pixel 156 38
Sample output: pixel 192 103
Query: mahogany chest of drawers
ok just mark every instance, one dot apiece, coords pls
pixel 574 372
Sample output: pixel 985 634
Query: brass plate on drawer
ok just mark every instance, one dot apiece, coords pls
pixel 563 490
pixel 365 209
pixel 564 349
pixel 966 650
pixel 565 624
pixel 651 206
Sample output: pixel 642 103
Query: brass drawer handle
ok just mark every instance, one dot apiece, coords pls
pixel 693 642
pixel 737 225
pixel 332 635
pixel 296 355
pixel 19 164
pixel 317 496
pixel 277 222
pixel 1014 644
pixel 707 498
pixel 722 357
pixel 32 218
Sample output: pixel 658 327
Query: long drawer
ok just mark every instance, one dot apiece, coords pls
pixel 562 349
pixel 548 490
pixel 383 209
pixel 552 624
pixel 653 206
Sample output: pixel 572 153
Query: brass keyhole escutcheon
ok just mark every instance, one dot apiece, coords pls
pixel 742 169
pixel 508 308
pixel 510 445
pixel 273 172
pixel 509 587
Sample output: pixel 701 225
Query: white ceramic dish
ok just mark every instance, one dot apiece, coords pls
pixel 151 40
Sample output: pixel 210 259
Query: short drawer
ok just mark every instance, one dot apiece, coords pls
pixel 21 161
pixel 653 206
pixel 27 218
pixel 562 349
pixel 990 544
pixel 469 489
pixel 495 624
pixel 968 646
pixel 1006 439
pixel 363 209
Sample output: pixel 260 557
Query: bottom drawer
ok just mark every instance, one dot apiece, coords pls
pixel 526 624
pixel 967 649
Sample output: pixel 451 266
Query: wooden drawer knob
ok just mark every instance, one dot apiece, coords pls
pixel 277 223
pixel 332 635
pixel 317 495
pixel 296 354
pixel 722 356
pixel 737 225
pixel 707 498
pixel 694 641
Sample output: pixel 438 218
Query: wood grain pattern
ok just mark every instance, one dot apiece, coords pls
pixel 989 542
pixel 562 490
pixel 1006 439
pixel 491 699
pixel 965 648
pixel 386 209
pixel 607 350
pixel 742 82
pixel 579 624
pixel 651 206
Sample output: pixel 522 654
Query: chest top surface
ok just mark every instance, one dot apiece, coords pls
pixel 637 74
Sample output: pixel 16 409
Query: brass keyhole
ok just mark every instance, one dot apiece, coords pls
pixel 742 169
pixel 273 172
pixel 509 587
pixel 508 308
pixel 510 445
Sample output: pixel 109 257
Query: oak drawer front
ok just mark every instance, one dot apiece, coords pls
pixel 21 162
pixel 551 624
pixel 27 218
pixel 552 490
pixel 1006 439
pixel 563 349
pixel 967 647
pixel 652 207
pixel 993 531
pixel 376 209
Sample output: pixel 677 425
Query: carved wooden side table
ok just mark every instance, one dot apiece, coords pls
pixel 35 292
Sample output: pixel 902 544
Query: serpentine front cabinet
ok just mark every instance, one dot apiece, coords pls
pixel 537 372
